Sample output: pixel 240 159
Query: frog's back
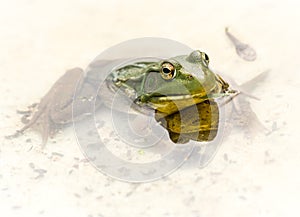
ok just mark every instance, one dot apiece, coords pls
pixel 132 72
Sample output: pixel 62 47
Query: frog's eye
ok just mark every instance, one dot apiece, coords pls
pixel 168 71
pixel 205 58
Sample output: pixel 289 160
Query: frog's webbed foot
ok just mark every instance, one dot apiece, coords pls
pixel 27 115
pixel 15 135
pixel 44 126
pixel 243 115
pixel 55 104
pixel 25 119
pixel 39 124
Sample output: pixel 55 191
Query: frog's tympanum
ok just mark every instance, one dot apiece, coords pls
pixel 182 91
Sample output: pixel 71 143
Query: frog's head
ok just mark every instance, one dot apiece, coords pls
pixel 176 80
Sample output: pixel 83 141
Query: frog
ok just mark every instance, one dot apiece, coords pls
pixel 181 91
pixel 245 51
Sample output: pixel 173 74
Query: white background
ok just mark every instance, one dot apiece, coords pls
pixel 248 177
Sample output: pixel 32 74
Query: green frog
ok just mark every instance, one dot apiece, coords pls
pixel 181 91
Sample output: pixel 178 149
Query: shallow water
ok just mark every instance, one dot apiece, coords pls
pixel 247 177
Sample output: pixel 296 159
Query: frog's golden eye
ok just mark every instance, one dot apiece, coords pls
pixel 168 71
pixel 205 58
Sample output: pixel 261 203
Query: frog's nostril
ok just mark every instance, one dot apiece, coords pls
pixel 138 100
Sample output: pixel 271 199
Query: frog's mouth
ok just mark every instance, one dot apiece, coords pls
pixel 160 98
pixel 169 104
pixel 163 98
pixel 172 103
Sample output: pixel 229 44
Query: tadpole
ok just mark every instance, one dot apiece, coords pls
pixel 243 50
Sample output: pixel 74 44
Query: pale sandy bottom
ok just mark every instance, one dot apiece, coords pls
pixel 257 177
